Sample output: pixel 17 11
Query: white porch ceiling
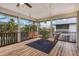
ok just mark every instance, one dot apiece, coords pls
pixel 42 10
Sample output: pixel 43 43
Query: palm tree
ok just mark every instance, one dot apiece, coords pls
pixel 11 24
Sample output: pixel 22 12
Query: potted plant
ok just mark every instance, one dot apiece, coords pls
pixel 33 31
pixel 44 32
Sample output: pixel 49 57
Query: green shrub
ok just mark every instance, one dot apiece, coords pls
pixel 44 32
pixel 33 28
pixel 26 28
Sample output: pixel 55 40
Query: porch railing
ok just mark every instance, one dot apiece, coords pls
pixel 68 36
pixel 8 38
pixel 24 36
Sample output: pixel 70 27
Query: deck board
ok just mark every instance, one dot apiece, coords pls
pixel 21 49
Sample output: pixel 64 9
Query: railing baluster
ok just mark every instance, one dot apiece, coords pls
pixel 13 38
pixel 6 38
pixel 1 39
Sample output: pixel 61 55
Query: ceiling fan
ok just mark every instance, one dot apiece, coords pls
pixel 27 4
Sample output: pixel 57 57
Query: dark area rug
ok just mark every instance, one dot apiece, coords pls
pixel 42 45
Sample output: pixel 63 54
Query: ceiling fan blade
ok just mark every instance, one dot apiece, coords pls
pixel 28 5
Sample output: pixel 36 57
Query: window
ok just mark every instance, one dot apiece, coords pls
pixel 45 24
pixel 24 22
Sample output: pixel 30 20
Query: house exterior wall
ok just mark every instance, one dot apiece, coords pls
pixel 72 28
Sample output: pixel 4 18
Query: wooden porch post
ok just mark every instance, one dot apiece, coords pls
pixel 51 28
pixel 38 25
pixel 19 32
pixel 78 29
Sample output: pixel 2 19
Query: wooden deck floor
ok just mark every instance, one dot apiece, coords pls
pixel 20 49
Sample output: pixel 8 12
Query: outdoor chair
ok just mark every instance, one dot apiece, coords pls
pixel 54 38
